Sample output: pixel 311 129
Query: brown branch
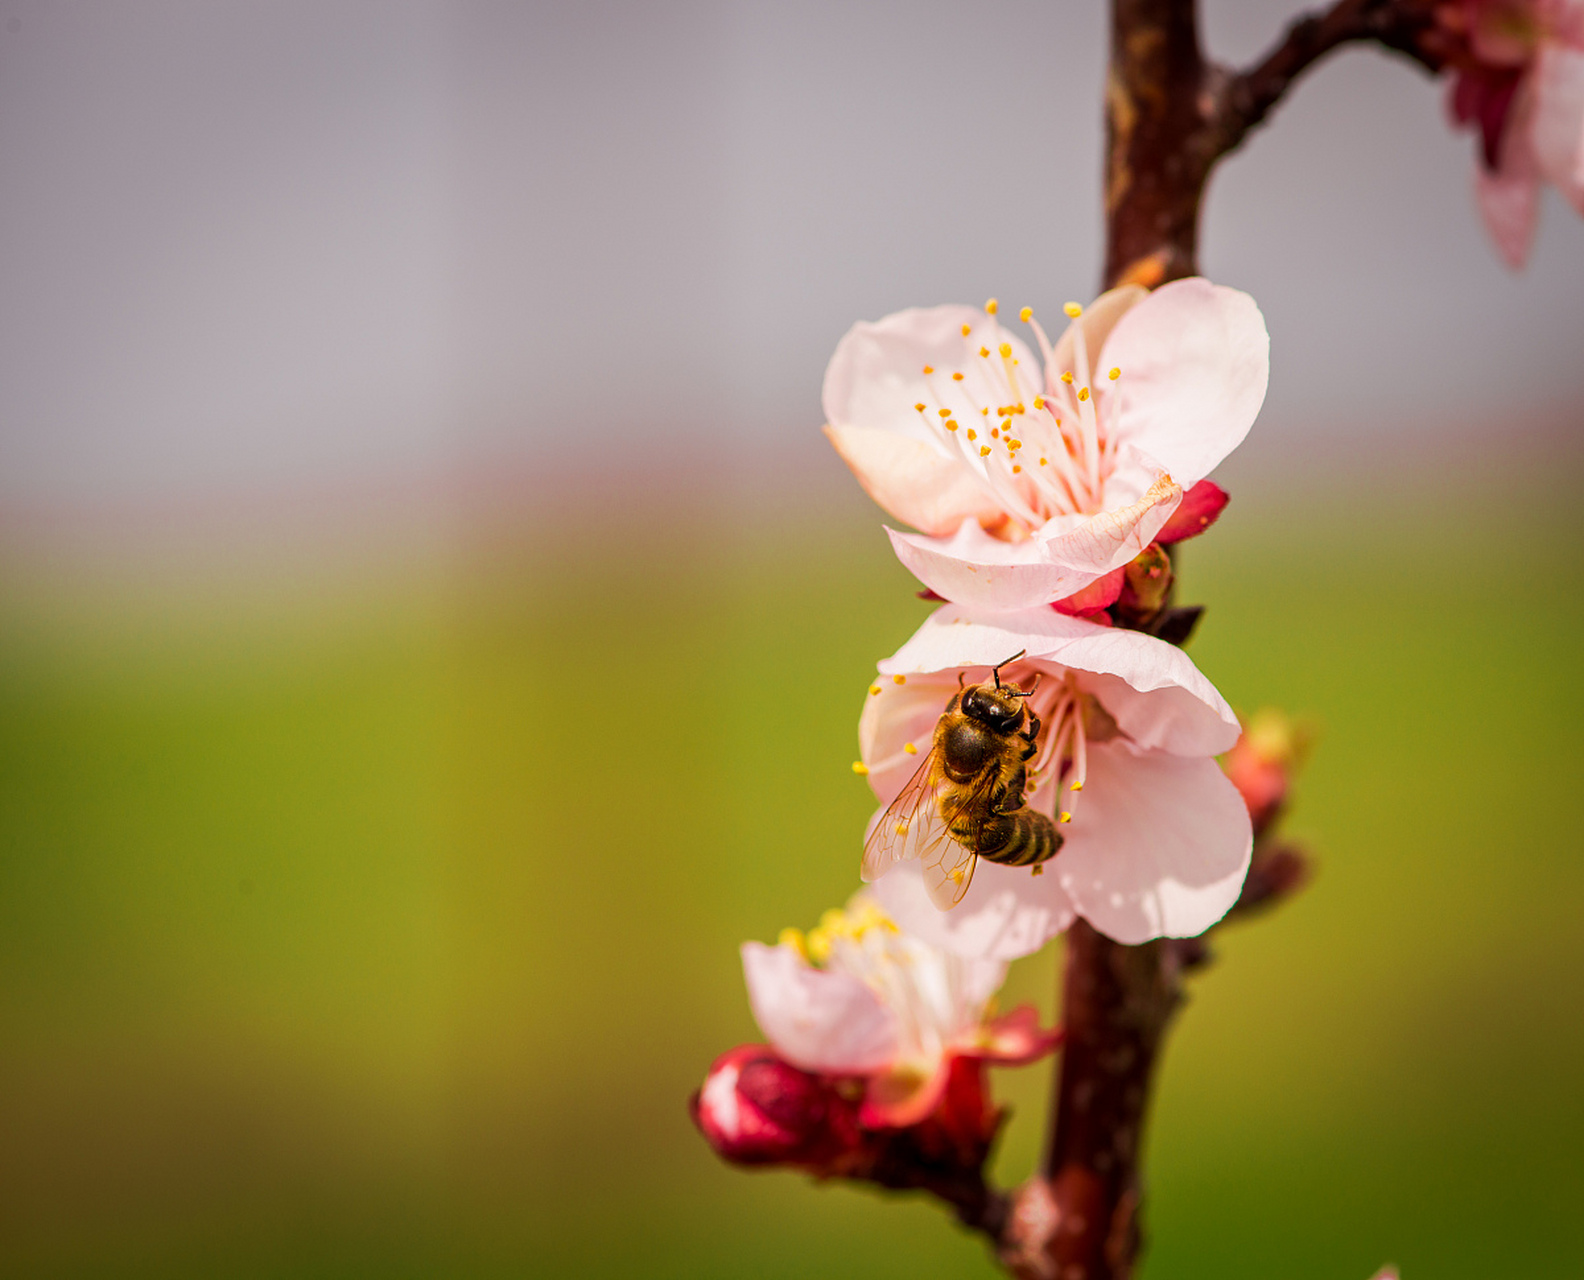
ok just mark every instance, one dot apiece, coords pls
pixel 1404 26
pixel 1171 115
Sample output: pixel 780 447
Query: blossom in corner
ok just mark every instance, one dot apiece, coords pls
pixel 1157 838
pixel 1030 479
pixel 859 999
pixel 1517 71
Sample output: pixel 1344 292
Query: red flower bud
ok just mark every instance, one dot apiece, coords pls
pixel 756 1109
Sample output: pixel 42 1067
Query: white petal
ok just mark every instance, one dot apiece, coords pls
pixel 1558 127
pixel 974 569
pixel 894 717
pixel 1159 845
pixel 1195 361
pixel 817 1019
pixel 1097 321
pixel 1157 695
pixel 913 480
pixel 1007 913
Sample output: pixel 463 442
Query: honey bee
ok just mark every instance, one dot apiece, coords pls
pixel 965 802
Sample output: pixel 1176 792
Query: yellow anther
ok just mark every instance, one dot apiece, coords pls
pixel 1039 402
pixel 910 748
pixel 1043 462
pixel 1067 377
pixel 860 768
pixel 1016 469
pixel 972 434
pixel 984 351
pixel 1072 309
pixel 873 690
pixel 899 679
pixel 992 307
pixel 1014 444
pixel 951 424
pixel 1065 817
pixel 967 329
pixel 793 938
pixel 995 433
pixel 945 413
pixel 1018 408
pixel 919 406
pixel 1114 374
pixel 984 451
pixel 1077 786
pixel 956 377
pixel 929 368
pixel 1083 393
pixel 1026 314
pixel 1005 349
pixel 985 411
pixel 1038 869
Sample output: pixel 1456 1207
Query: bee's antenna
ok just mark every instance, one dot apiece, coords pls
pixel 960 676
pixel 996 670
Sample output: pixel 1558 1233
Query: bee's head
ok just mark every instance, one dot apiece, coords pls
pixel 1000 708
pixel 996 703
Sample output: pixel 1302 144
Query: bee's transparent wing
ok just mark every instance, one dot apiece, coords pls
pixel 913 826
pixel 949 865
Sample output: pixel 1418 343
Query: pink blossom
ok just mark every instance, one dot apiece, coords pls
pixel 1027 482
pixel 857 997
pixel 1157 839
pixel 1518 78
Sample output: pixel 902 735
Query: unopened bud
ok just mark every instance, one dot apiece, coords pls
pixel 756 1109
pixel 1147 582
pixel 1263 762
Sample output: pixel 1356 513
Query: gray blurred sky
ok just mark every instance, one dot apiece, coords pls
pixel 254 247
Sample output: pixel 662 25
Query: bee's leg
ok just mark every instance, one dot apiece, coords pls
pixel 1011 799
pixel 1029 734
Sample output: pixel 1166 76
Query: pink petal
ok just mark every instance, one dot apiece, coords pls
pixel 899 1098
pixel 894 717
pixel 1200 508
pixel 1195 360
pixel 817 1019
pixel 1100 594
pixel 1510 205
pixel 1157 695
pixel 913 480
pixel 1015 1039
pixel 975 569
pixel 1558 127
pixel 1097 321
pixel 1006 913
pixel 872 384
pixel 1158 846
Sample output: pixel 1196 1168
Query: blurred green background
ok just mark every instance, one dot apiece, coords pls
pixel 383 928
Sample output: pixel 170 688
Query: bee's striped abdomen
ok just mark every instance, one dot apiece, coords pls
pixel 1031 838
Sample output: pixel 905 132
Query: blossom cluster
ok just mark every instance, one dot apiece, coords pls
pixel 1045 496
pixel 1516 78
